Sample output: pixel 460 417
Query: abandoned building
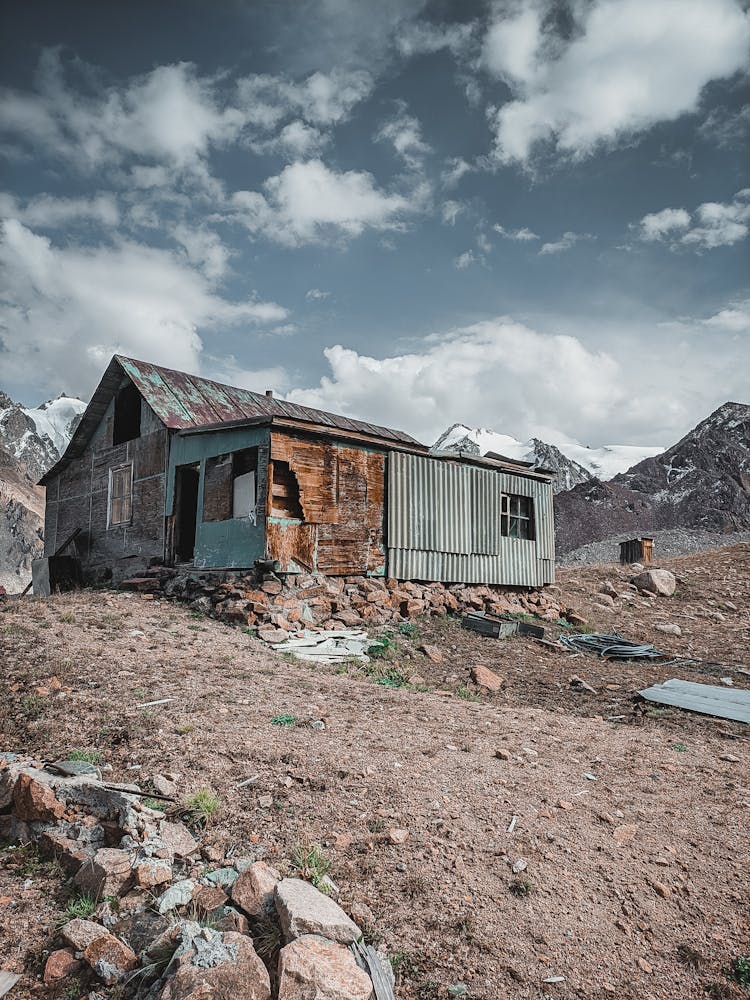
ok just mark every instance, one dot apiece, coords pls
pixel 168 467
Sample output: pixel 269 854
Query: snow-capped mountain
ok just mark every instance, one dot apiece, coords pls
pixel 31 441
pixel 702 482
pixel 571 462
pixel 38 436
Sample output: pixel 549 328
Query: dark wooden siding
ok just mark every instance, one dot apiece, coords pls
pixel 78 498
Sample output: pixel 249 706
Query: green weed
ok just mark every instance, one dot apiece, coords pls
pixel 87 756
pixel 409 629
pixel 741 970
pixel 81 908
pixel 520 889
pixel 283 720
pixel 32 706
pixel 310 863
pixel 467 694
pixel 201 807
pixel 381 648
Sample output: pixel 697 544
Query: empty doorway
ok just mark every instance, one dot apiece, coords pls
pixel 186 511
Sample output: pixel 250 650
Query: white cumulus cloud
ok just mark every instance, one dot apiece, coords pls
pixel 713 224
pixel 309 202
pixel 627 65
pixel 64 310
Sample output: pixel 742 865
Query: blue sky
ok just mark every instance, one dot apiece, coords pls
pixel 525 215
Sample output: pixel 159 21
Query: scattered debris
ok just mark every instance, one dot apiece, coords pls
pixel 612 647
pixel 579 684
pixel 328 646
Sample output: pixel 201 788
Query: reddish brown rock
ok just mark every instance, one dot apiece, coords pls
pixel 432 653
pixel 153 872
pixel 79 934
pixel 35 801
pixel 110 958
pixel 60 964
pixel 207 899
pixel 178 839
pixel 313 967
pixel 253 890
pixel 487 678
pixel 108 873
pixel 240 976
pixel 69 853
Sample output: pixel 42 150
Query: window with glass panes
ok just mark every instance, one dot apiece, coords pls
pixel 517 516
pixel 121 494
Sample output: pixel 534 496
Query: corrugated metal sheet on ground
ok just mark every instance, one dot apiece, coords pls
pixel 708 699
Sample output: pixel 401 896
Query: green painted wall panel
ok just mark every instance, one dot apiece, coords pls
pixel 236 543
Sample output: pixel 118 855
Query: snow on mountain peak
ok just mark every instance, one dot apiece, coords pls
pixel 582 462
pixel 37 436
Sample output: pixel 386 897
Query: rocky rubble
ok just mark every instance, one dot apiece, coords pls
pixel 164 925
pixel 280 607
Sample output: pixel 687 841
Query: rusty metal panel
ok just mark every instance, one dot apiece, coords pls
pixel 181 400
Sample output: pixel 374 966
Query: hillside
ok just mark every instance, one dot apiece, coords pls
pixel 700 483
pixel 544 840
pixel 31 440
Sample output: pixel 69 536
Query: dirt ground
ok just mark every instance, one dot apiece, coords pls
pixel 636 884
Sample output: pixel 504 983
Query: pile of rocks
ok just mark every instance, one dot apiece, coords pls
pixel 280 606
pixel 163 924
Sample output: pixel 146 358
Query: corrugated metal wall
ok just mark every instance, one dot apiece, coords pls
pixel 444 524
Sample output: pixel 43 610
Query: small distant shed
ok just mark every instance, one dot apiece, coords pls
pixel 637 550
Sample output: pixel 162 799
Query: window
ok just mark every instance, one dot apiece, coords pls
pixel 229 486
pixel 120 494
pixel 517 516
pixel 244 474
pixel 127 422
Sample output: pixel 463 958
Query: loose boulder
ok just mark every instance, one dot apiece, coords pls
pixel 106 874
pixel 253 890
pixel 216 966
pixel 312 967
pixel 656 581
pixel 302 909
pixel 486 678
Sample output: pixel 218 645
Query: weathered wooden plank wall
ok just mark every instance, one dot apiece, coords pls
pixel 77 498
pixel 341 492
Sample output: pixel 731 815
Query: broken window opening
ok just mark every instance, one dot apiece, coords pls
pixel 244 483
pixel 285 499
pixel 127 421
pixel 230 486
pixel 120 506
pixel 517 517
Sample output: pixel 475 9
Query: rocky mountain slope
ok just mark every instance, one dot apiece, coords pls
pixel 38 436
pixel 31 440
pixel 571 462
pixel 701 483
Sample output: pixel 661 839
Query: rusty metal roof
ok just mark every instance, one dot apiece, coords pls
pixel 186 402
